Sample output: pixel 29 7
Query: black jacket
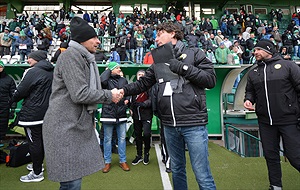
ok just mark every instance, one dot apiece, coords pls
pixel 187 108
pixel 274 87
pixel 7 88
pixel 113 113
pixel 35 89
pixel 142 110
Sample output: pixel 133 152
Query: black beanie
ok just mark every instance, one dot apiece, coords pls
pixel 38 55
pixel 81 31
pixel 266 45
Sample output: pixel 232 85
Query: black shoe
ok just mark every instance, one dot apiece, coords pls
pixel 168 170
pixel 137 160
pixel 273 187
pixel 146 159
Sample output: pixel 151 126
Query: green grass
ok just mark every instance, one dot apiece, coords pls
pixel 229 171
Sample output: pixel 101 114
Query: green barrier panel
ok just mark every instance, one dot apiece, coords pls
pixel 215 126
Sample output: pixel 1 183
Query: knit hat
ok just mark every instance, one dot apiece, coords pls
pixel 81 31
pixel 152 46
pixel 38 55
pixel 112 65
pixel 296 31
pixel 1 64
pixel 265 45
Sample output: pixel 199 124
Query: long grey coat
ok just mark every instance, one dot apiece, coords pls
pixel 71 147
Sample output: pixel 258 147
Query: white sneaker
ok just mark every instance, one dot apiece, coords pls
pixel 30 167
pixel 31 177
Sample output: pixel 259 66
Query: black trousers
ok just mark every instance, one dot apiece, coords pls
pixel 142 130
pixel 270 137
pixel 36 147
pixel 164 150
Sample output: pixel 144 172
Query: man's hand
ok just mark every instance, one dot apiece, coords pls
pixel 176 66
pixel 248 105
pixel 116 95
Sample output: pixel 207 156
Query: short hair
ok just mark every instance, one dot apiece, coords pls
pixel 170 27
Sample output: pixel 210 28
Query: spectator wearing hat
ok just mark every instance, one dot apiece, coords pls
pixel 274 87
pixel 7 88
pixel 148 59
pixel 5 42
pixel 219 37
pixel 251 42
pixel 34 90
pixel 221 53
pixel 62 48
pixel 24 45
pixel 114 116
pixel 296 43
pixel 71 147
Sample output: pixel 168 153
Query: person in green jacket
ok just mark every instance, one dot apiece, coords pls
pixel 215 24
pixel 221 53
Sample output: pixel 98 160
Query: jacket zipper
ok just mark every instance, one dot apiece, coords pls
pixel 266 90
pixel 139 114
pixel 172 110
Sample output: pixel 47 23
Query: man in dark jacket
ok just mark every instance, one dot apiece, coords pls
pixel 181 102
pixel 274 87
pixel 7 87
pixel 114 116
pixel 35 90
pixel 141 108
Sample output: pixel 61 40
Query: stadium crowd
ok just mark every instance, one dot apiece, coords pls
pixel 226 40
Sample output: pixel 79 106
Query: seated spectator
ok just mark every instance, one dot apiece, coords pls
pixel 100 55
pixel 62 47
pixel 24 44
pixel 148 59
pixel 284 53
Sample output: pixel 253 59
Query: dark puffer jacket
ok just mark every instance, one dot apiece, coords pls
pixel 113 113
pixel 274 86
pixel 187 108
pixel 35 89
pixel 7 88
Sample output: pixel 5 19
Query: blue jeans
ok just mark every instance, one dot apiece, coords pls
pixel 139 56
pixel 121 133
pixel 71 185
pixel 196 138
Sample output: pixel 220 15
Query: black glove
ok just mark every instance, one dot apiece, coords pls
pixel 11 114
pixel 176 66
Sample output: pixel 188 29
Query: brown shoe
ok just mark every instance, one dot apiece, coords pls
pixel 124 166
pixel 106 168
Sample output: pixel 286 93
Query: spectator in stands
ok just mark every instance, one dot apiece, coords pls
pixel 227 42
pixel 192 39
pixel 246 34
pixel 211 43
pixel 296 44
pixel 284 53
pixel 221 53
pixel 235 29
pixel 287 41
pixel 273 80
pixel 42 42
pixel 233 58
pixel 189 125
pixel 100 55
pixel 141 109
pixel 277 37
pixel 219 37
pixel 215 24
pixel 140 38
pixel 16 35
pixel 24 45
pixel 94 18
pixel 5 42
pixel 70 116
pixel 251 42
pixel 114 116
pixel 62 48
pixel 86 17
pixel 7 88
pixel 13 24
pixel 131 45
pixel 34 90
pixel 148 59
pixel 2 26
pixel 114 55
pixel 121 40
pixel 211 55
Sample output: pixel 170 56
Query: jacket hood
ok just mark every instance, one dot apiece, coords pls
pixel 45 65
pixel 248 29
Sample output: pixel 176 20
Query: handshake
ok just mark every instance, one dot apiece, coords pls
pixel 117 95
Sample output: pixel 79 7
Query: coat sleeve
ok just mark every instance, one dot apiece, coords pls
pixel 295 78
pixel 249 91
pixel 72 70
pixel 202 73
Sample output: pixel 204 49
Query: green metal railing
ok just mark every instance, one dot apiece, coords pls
pixel 241 142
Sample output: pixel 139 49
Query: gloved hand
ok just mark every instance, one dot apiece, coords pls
pixel 176 66
pixel 11 114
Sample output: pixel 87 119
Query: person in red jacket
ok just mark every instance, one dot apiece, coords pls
pixel 148 59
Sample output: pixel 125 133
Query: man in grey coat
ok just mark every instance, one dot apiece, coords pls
pixel 71 147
